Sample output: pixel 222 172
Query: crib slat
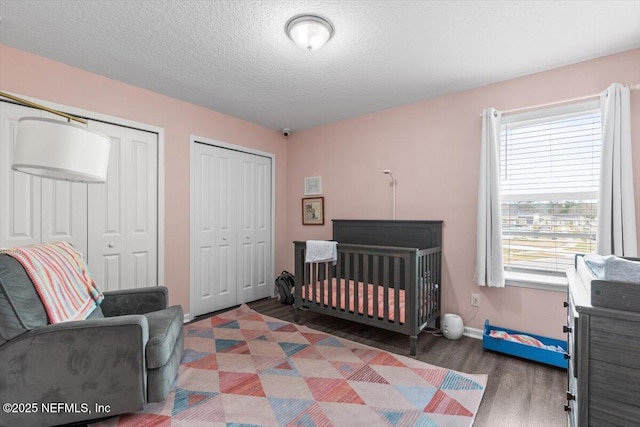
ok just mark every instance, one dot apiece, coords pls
pixel 365 280
pixel 314 282
pixel 346 276
pixel 433 280
pixel 438 280
pixel 356 281
pixel 434 284
pixel 396 290
pixel 321 284
pixel 420 282
pixel 385 288
pixel 305 280
pixel 375 281
pixel 338 275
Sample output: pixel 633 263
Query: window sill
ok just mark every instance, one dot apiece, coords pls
pixel 536 281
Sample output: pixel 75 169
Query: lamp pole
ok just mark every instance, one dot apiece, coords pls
pixel 393 186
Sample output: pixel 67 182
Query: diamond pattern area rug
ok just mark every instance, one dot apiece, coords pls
pixel 241 368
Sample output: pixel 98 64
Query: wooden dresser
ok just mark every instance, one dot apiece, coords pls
pixel 604 364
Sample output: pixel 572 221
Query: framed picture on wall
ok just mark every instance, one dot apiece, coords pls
pixel 312 185
pixel 313 211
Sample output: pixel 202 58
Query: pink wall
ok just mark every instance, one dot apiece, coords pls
pixel 30 75
pixel 433 148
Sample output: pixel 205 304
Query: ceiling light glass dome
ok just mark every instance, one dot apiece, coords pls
pixel 310 32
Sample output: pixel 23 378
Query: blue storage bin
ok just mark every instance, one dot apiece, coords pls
pixel 543 355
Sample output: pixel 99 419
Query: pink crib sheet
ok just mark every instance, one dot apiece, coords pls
pixel 323 285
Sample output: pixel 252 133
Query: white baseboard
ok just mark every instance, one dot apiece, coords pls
pixel 472 333
pixel 187 318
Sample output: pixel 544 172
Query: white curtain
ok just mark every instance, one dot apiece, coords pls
pixel 616 233
pixel 489 266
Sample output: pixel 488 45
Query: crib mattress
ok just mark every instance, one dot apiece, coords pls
pixel 322 297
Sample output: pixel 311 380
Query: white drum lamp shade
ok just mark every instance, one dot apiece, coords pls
pixel 60 150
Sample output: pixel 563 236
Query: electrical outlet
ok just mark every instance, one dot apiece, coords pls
pixel 475 300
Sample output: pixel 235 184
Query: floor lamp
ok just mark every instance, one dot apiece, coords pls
pixel 393 185
pixel 59 150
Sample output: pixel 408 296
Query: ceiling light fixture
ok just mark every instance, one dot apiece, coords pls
pixel 59 150
pixel 310 32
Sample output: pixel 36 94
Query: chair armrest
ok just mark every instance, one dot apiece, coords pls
pixel 83 363
pixel 135 301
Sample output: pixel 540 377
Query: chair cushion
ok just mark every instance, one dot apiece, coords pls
pixel 20 306
pixel 21 309
pixel 164 329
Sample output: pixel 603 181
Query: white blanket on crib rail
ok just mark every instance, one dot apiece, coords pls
pixel 321 251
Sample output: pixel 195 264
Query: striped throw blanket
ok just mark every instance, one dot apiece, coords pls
pixel 61 279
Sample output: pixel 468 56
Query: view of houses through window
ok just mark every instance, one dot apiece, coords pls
pixel 549 174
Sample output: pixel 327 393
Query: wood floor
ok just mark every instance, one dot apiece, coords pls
pixel 519 393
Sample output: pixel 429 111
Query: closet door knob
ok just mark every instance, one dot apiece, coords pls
pixel 110 245
pixel 248 237
pixel 224 238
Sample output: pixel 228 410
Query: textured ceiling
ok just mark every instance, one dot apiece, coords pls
pixel 234 57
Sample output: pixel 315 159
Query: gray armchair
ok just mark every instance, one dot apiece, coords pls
pixel 126 354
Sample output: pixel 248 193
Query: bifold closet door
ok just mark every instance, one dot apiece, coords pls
pixel 123 213
pixel 231 230
pixel 114 225
pixel 214 230
pixel 254 228
pixel 33 209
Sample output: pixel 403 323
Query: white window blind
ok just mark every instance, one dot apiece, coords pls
pixel 549 173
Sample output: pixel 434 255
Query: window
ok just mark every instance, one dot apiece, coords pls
pixel 549 174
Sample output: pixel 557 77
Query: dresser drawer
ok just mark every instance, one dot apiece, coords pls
pixel 609 382
pixel 615 341
pixel 612 414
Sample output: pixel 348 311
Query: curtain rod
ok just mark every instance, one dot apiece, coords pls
pixel 566 101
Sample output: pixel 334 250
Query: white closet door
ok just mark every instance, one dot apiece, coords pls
pixel 123 213
pixel 231 229
pixel 33 209
pixel 254 228
pixel 214 245
pixel 20 194
pixel 64 213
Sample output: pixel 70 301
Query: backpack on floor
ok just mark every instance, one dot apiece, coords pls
pixel 284 284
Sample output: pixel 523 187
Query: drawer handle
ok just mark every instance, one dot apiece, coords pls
pixel 567 408
pixel 566 329
pixel 565 304
pixel 567 356
pixel 570 396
